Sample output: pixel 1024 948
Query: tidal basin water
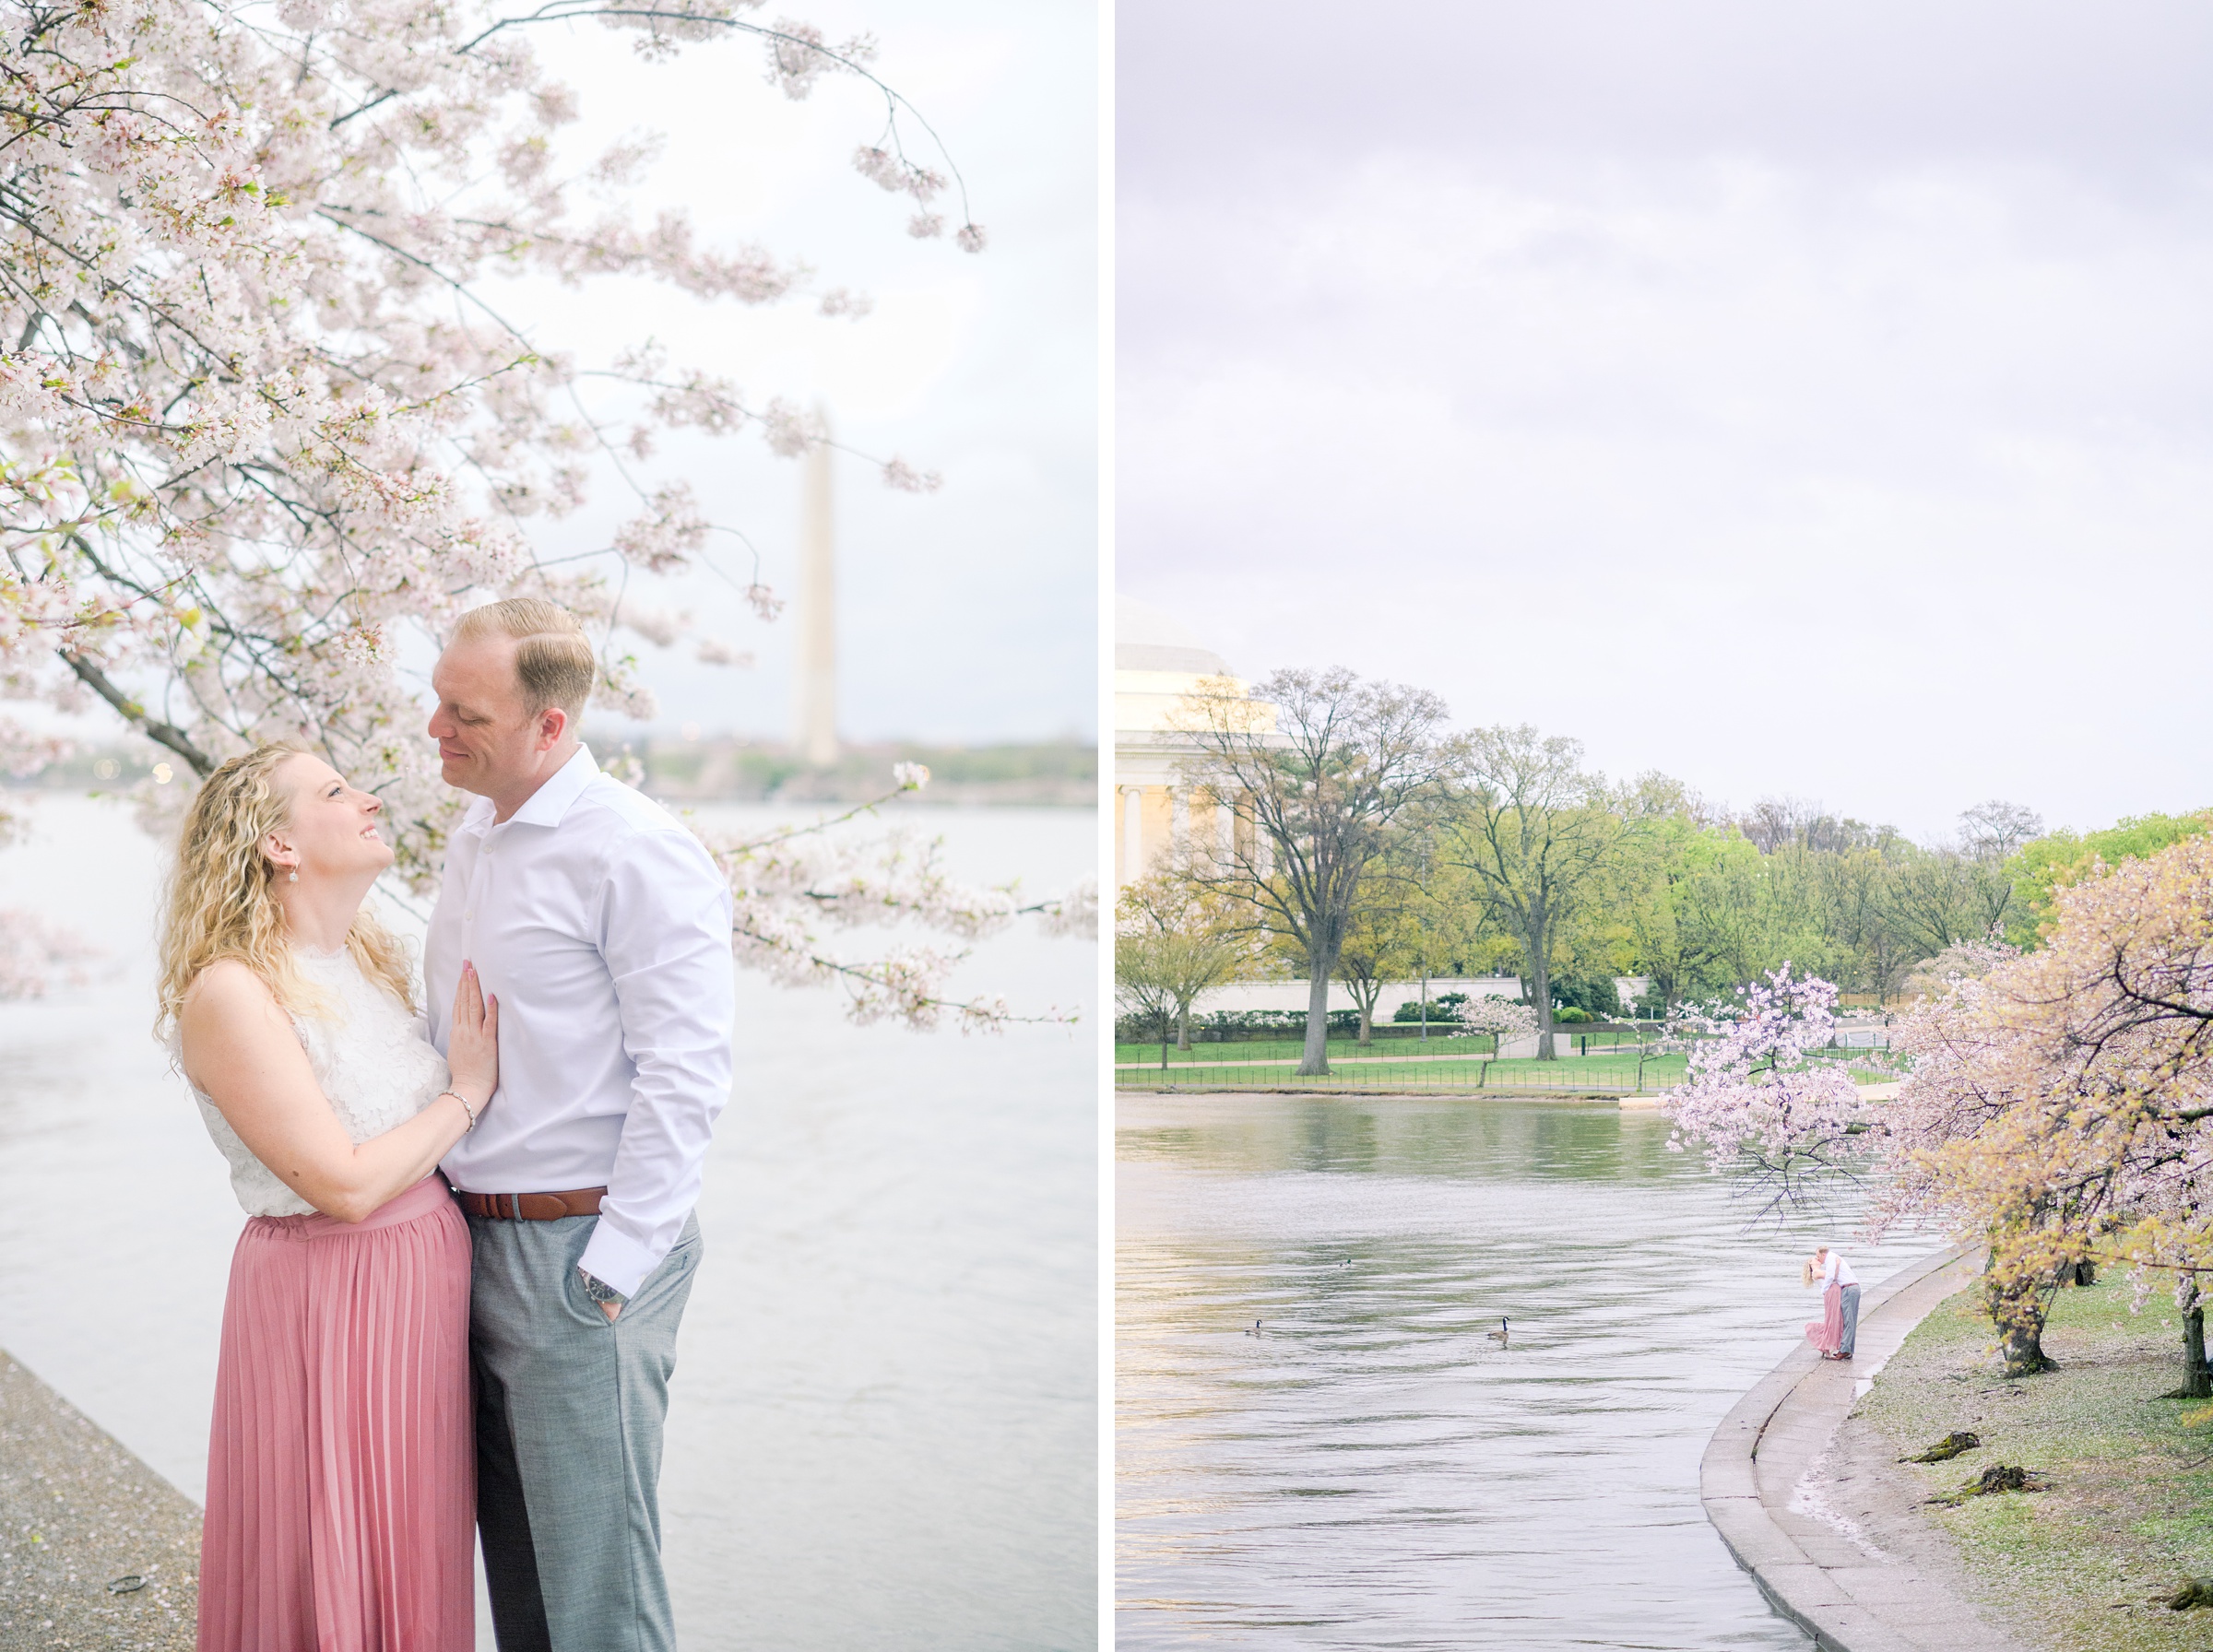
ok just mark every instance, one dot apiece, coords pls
pixel 1371 1469
pixel 883 1423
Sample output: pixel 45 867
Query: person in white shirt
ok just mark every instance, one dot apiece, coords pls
pixel 604 927
pixel 1830 1270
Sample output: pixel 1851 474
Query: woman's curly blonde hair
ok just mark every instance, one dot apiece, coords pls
pixel 222 896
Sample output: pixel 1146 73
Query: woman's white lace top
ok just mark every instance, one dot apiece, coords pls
pixel 374 1060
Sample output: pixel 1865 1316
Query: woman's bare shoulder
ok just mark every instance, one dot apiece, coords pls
pixel 227 991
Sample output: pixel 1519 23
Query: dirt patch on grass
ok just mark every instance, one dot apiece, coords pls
pixel 2128 1509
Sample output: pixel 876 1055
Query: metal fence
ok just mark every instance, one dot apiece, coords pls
pixel 1658 1074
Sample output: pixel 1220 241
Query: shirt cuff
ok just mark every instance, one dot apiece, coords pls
pixel 615 1260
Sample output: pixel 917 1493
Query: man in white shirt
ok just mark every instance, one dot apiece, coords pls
pixel 1836 1270
pixel 604 927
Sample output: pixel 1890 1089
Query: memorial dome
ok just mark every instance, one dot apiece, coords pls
pixel 1145 639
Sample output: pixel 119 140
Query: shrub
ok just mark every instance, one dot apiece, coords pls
pixel 1443 1008
pixel 1599 996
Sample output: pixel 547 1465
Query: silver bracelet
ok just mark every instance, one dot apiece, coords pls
pixel 472 1112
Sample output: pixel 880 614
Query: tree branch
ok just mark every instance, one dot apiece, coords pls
pixel 166 734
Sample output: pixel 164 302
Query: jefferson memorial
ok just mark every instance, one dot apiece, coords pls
pixel 1157 662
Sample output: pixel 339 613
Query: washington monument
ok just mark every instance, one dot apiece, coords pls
pixel 815 699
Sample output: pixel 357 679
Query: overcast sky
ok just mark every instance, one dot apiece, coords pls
pixel 968 615
pixel 1800 399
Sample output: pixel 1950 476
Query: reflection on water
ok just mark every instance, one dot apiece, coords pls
pixel 1372 1469
pixel 882 1428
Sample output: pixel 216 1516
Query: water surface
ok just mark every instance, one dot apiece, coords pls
pixel 1371 1469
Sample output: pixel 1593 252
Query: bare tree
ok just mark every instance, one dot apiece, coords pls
pixel 1991 831
pixel 1539 834
pixel 1315 769
pixel 1964 892
pixel 1776 823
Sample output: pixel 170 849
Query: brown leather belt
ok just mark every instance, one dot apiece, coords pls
pixel 532 1207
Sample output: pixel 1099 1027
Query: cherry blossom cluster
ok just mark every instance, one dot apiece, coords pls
pixel 261 423
pixel 36 955
pixel 1755 1095
pixel 797 887
pixel 1501 1018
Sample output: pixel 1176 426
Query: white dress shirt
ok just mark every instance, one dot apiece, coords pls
pixel 1838 1271
pixel 604 928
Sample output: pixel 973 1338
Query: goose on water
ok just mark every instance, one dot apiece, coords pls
pixel 1498 1336
pixel 1255 1331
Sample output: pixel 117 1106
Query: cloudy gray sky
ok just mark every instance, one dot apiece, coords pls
pixel 1796 399
pixel 966 614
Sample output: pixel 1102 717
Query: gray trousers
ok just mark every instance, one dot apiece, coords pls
pixel 569 1411
pixel 1849 1305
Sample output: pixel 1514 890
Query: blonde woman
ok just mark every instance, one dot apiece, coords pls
pixel 340 1464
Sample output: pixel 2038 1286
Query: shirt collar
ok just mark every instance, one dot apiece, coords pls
pixel 547 805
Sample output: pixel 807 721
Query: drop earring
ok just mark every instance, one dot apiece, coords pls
pixel 294 875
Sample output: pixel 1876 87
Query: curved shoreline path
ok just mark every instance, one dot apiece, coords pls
pixel 1778 1437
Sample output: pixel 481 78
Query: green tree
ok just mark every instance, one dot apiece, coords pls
pixel 1172 944
pixel 1540 837
pixel 2060 858
pixel 1382 944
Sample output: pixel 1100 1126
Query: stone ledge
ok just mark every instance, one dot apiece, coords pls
pixel 78 1513
pixel 1848 1600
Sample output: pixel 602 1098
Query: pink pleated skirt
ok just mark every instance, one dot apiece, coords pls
pixel 1827 1333
pixel 341 1467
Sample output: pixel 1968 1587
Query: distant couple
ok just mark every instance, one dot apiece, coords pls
pixel 407 1355
pixel 1839 1327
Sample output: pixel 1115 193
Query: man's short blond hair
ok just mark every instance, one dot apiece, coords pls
pixel 553 660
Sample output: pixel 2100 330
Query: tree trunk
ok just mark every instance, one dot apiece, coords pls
pixel 1367 1022
pixel 2198 1383
pixel 2018 1313
pixel 1315 1062
pixel 2021 1348
pixel 1183 1026
pixel 1541 991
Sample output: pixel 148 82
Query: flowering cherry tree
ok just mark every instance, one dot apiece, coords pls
pixel 261 421
pixel 1501 1018
pixel 1755 1100
pixel 2061 1105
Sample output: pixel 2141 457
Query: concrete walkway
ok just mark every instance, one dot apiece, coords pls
pixel 97 1551
pixel 1848 1600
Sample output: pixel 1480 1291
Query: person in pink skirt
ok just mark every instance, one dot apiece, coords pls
pixel 1836 1331
pixel 341 1470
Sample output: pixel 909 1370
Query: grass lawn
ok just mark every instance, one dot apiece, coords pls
pixel 2129 1511
pixel 1596 1072
pixel 1381 1069
pixel 1290 1049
